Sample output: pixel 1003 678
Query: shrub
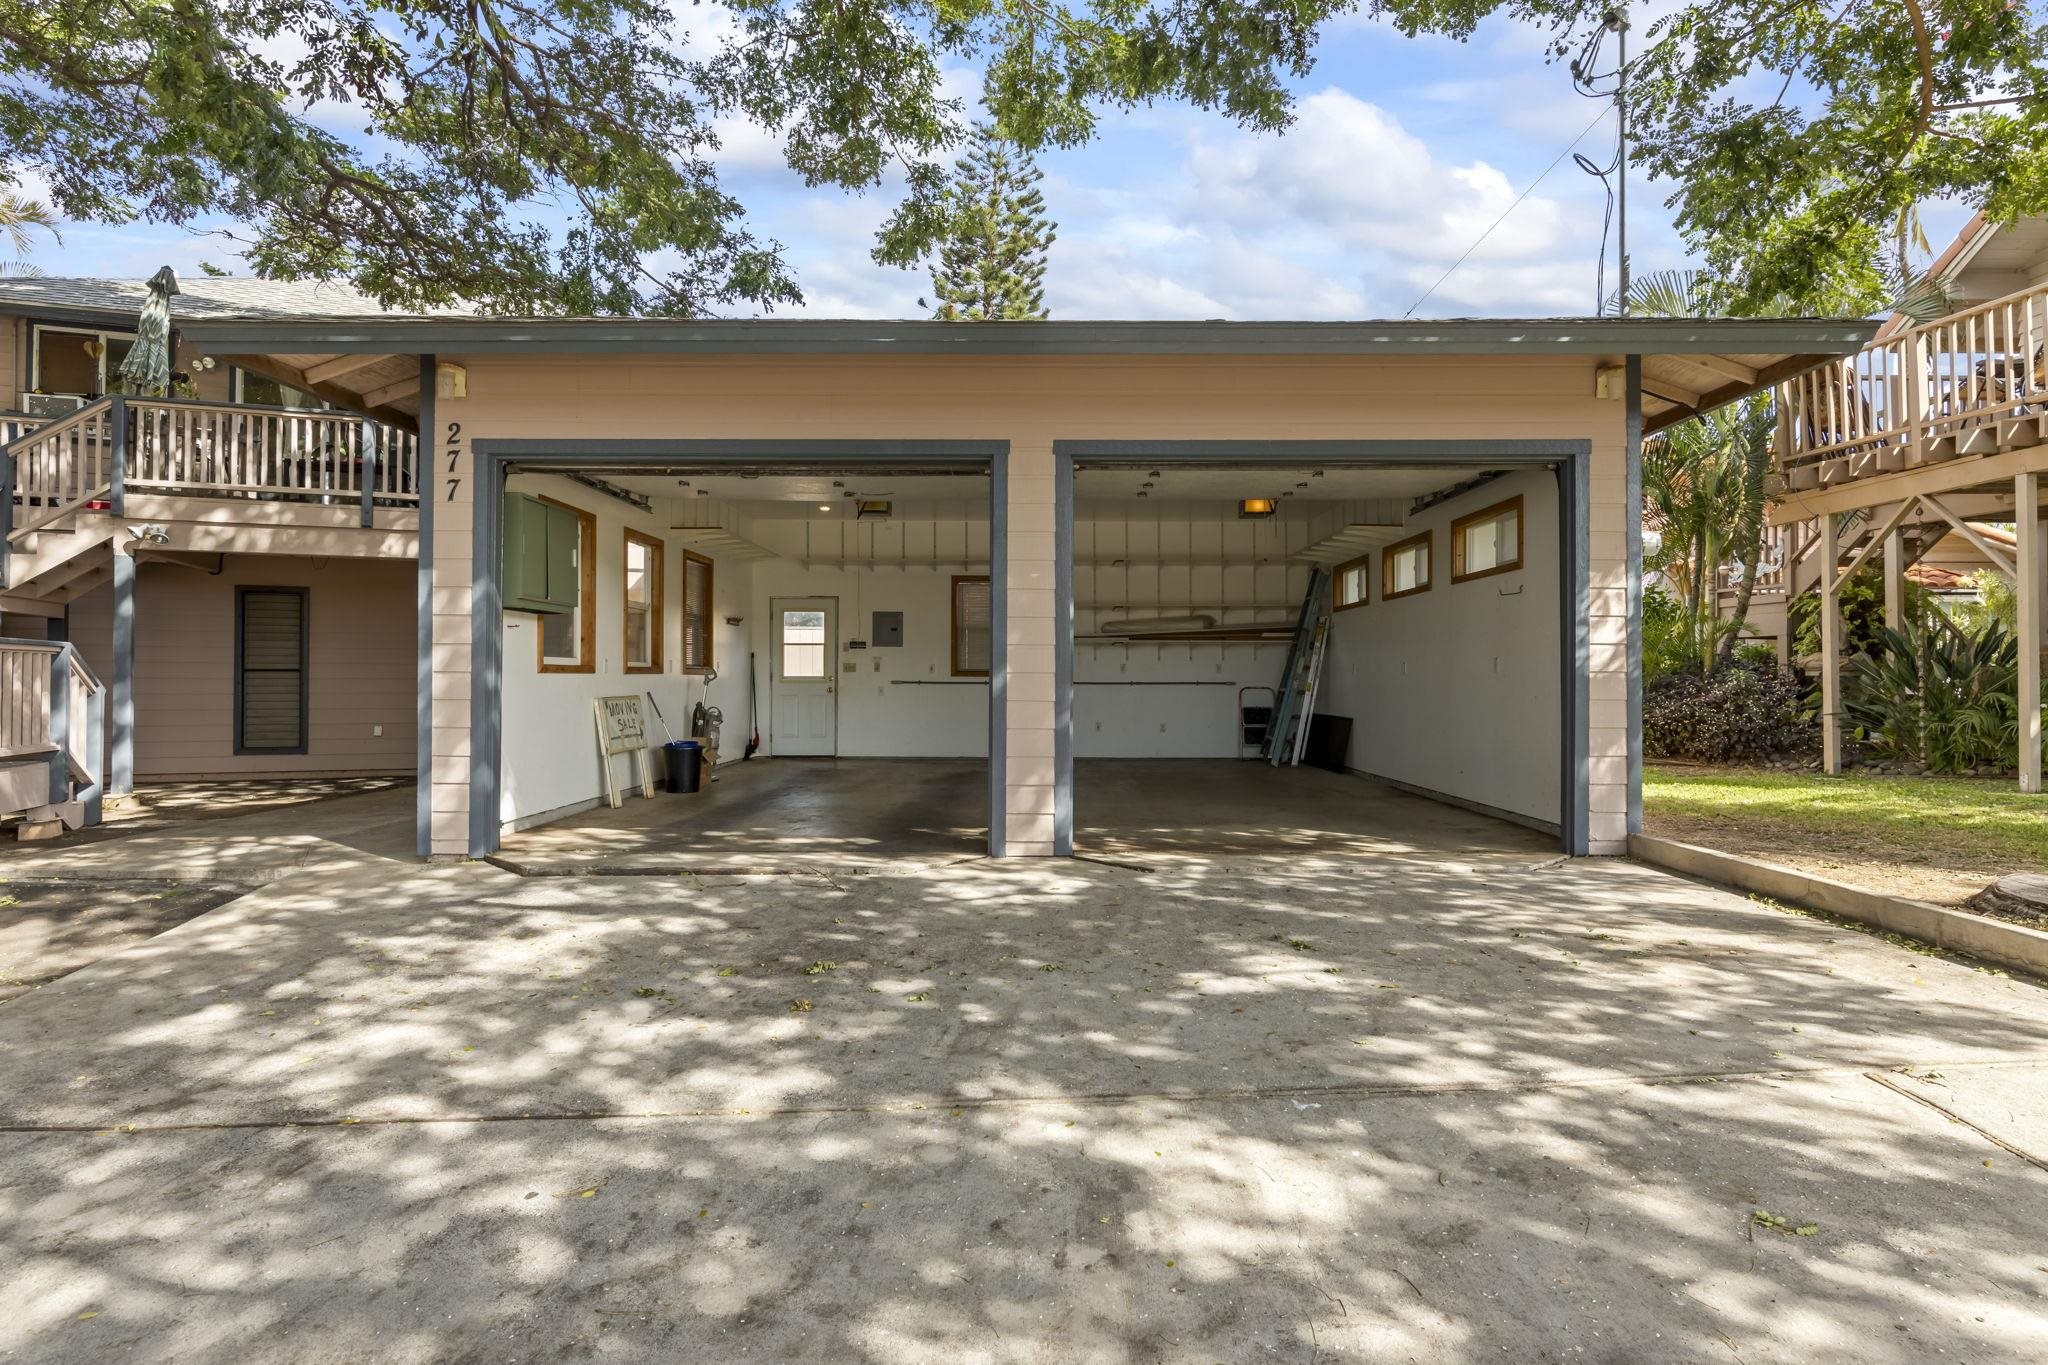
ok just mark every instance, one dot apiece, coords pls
pixel 1944 698
pixel 1744 712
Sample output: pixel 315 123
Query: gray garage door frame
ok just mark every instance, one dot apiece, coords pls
pixel 495 457
pixel 1572 460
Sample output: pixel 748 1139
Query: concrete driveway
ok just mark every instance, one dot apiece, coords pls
pixel 1411 1107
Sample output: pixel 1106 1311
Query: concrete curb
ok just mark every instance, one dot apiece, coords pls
pixel 2009 945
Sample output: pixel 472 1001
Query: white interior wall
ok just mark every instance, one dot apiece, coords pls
pixel 550 760
pixel 1134 560
pixel 1456 689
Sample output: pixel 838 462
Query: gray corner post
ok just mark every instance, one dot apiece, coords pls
pixel 366 471
pixel 95 745
pixel 117 463
pixel 6 510
pixel 1633 493
pixel 121 687
pixel 60 726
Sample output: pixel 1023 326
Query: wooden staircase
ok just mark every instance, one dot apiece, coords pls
pixel 52 737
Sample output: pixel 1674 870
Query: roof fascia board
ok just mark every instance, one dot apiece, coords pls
pixel 597 336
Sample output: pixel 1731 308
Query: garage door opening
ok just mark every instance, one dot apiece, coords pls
pixel 1315 656
pixel 822 628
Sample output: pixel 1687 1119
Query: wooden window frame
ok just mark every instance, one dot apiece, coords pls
pixel 586 597
pixel 243 591
pixel 1458 574
pixel 710 663
pixel 953 620
pixel 656 599
pixel 1363 563
pixel 1393 552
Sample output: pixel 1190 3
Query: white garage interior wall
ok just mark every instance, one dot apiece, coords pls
pixel 550 761
pixel 1455 690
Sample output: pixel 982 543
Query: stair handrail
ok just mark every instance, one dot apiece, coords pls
pixel 60 466
pixel 68 729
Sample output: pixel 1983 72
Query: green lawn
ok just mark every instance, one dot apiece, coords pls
pixel 1934 837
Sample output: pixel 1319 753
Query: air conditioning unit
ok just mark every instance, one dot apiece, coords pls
pixel 51 404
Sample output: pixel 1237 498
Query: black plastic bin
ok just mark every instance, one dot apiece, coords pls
pixel 685 766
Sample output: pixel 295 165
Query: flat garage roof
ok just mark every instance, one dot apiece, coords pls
pixel 1689 364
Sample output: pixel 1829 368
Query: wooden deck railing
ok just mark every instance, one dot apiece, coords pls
pixel 202 449
pixel 52 707
pixel 1968 384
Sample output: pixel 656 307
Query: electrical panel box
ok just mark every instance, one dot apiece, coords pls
pixel 888 631
pixel 541 543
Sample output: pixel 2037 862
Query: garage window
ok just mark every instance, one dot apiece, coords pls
pixel 568 639
pixel 1404 568
pixel 270 671
pixel 972 634
pixel 696 613
pixel 1487 542
pixel 642 591
pixel 1352 583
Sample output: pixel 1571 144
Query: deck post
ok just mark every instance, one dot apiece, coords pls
pixel 2029 563
pixel 121 687
pixel 117 455
pixel 1895 581
pixel 60 726
pixel 366 471
pixel 1830 648
pixel 6 511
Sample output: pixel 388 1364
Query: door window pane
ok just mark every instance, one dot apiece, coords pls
pixel 803 644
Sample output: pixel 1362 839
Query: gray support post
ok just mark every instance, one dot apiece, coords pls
pixel 1632 490
pixel 121 687
pixel 366 471
pixel 117 467
pixel 95 745
pixel 1830 648
pixel 1895 581
pixel 6 511
pixel 2029 563
pixel 423 487
pixel 60 726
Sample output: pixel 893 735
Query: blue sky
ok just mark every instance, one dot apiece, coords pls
pixel 1404 151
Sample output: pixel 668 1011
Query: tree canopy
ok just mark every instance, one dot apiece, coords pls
pixel 430 149
pixel 991 260
pixel 1800 134
pixel 551 155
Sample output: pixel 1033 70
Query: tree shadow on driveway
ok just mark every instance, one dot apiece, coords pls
pixel 1376 1109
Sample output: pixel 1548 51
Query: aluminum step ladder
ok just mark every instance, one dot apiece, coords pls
pixel 1287 737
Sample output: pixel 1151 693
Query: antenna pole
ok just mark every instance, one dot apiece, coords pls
pixel 1620 20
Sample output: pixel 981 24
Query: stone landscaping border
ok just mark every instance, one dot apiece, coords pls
pixel 2009 945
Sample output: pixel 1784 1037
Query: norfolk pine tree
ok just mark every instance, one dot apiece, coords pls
pixel 991 263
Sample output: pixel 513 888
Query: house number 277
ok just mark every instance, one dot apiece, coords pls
pixel 454 454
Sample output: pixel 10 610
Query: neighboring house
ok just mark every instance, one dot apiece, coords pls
pixel 1016 544
pixel 1898 454
pixel 245 588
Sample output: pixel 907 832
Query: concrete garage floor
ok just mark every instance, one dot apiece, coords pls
pixel 1390 1108
pixel 780 814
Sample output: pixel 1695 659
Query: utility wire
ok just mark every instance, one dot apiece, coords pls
pixel 1481 241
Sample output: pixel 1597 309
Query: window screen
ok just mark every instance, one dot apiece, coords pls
pixel 63 364
pixel 697 613
pixel 1404 568
pixel 271 648
pixel 971 633
pixel 641 585
pixel 1352 583
pixel 803 643
pixel 1487 542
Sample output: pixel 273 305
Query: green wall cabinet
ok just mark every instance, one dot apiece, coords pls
pixel 541 542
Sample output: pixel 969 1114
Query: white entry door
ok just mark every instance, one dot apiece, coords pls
pixel 804 714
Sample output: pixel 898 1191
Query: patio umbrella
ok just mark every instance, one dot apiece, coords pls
pixel 147 370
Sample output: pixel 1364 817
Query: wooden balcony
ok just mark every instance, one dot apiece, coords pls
pixel 1972 384
pixel 93 458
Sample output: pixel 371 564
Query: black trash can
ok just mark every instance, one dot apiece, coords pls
pixel 685 761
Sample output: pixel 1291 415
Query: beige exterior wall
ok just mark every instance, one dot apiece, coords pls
pixel 214 384
pixel 1029 402
pixel 362 649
